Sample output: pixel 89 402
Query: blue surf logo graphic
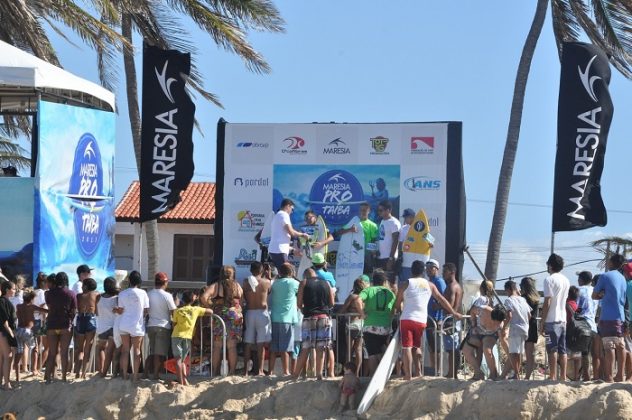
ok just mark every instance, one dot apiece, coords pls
pixel 86 192
pixel 336 195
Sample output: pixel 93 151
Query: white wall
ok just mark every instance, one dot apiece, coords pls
pixel 166 232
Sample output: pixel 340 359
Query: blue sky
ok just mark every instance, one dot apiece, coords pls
pixel 360 61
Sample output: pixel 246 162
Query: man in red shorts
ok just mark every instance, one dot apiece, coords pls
pixel 415 294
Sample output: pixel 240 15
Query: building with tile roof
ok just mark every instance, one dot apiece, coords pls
pixel 186 235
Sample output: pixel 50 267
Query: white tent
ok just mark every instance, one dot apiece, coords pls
pixel 24 77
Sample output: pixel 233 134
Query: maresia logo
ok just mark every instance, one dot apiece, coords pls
pixel 379 145
pixel 294 145
pixel 422 145
pixel 86 192
pixel 336 147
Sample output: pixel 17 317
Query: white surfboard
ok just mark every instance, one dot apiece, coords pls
pixel 382 374
pixel 266 233
pixel 319 234
pixel 349 258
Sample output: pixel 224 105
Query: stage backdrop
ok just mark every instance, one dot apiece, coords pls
pixel 331 169
pixel 74 191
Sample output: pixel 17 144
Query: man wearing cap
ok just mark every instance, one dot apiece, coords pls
pixel 406 258
pixel 434 308
pixel 282 233
pixel 388 238
pixel 320 267
pixel 611 290
pixel 587 307
pixel 83 272
pixel 161 307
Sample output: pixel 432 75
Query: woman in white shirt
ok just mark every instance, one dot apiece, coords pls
pixel 106 303
pixel 133 305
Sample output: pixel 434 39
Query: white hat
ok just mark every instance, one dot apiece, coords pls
pixel 433 262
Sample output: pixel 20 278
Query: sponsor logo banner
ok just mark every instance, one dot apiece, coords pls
pixel 422 183
pixel 251 182
pixel 294 145
pixel 584 116
pixel 252 145
pixel 337 147
pixel 379 145
pixel 422 145
pixel 167 128
pixel 250 221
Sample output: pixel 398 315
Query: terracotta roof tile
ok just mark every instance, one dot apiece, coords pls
pixel 197 205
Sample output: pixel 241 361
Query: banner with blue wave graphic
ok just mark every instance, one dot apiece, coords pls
pixel 74 191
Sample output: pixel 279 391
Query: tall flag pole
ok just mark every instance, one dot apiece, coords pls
pixel 584 115
pixel 167 129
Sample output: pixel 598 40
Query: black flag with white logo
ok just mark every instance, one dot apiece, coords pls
pixel 166 139
pixel 583 120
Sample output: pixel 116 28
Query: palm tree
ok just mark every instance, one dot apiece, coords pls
pixel 612 244
pixel 224 21
pixel 608 24
pixel 12 154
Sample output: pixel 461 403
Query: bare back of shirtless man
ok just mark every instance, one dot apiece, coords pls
pixel 483 338
pixel 86 325
pixel 454 295
pixel 258 324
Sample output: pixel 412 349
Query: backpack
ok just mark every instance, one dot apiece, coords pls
pixel 578 332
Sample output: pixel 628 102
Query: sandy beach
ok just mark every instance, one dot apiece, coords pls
pixel 268 398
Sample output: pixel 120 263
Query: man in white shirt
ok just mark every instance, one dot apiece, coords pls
pixel 388 238
pixel 553 324
pixel 282 233
pixel 83 272
pixel 161 306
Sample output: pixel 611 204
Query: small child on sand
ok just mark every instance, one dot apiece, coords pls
pixel 349 385
pixel 183 325
pixel 24 334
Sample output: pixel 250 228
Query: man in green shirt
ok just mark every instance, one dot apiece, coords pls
pixel 370 230
pixel 377 303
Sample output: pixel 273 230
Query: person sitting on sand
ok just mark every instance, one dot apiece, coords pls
pixel 482 339
pixel 349 386
pixel 183 327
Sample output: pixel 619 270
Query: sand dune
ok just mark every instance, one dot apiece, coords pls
pixel 241 398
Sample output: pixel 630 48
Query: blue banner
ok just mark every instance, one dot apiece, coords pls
pixel 74 191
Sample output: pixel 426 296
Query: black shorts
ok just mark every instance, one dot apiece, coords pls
pixel 532 336
pixel 374 343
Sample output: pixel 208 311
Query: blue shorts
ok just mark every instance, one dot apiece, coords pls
pixel 555 335
pixel 282 337
pixel 86 323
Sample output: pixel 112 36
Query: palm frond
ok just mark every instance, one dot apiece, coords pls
pixel 590 28
pixel 224 30
pixel 12 153
pixel 565 26
pixel 260 15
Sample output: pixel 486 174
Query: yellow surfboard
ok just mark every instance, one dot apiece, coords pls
pixel 418 240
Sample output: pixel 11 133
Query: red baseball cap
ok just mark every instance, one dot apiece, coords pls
pixel 627 269
pixel 161 277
